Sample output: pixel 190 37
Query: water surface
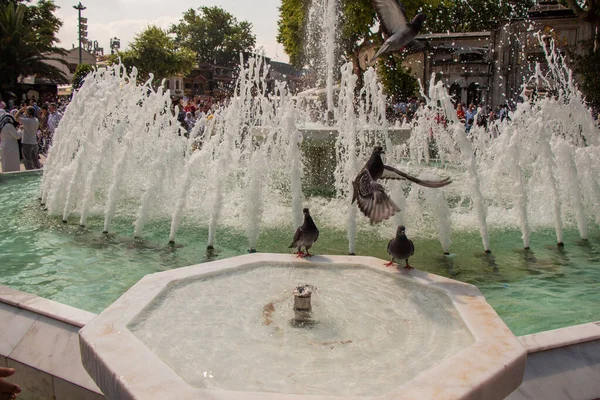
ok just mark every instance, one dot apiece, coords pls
pixel 544 288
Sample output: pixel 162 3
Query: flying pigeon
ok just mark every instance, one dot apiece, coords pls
pixel 305 235
pixel 401 247
pixel 401 33
pixel 370 195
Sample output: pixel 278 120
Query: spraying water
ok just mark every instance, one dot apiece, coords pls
pixel 249 159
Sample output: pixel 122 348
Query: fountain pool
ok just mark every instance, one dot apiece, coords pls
pixel 544 288
pixel 229 330
pixel 369 332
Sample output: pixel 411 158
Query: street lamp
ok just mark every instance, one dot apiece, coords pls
pixel 82 26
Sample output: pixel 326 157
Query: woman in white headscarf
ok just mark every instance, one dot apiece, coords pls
pixel 9 147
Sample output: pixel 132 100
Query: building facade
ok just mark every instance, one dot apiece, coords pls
pixel 492 66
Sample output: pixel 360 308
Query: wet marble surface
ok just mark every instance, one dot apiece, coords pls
pixel 489 369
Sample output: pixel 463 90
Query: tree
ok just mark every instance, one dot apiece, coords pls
pixel 397 80
pixel 472 15
pixel 587 68
pixel 214 35
pixel 587 10
pixel 80 74
pixel 290 29
pixel 154 52
pixel 27 40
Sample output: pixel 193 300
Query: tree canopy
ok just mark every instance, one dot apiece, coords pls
pixel 80 74
pixel 397 80
pixel 472 15
pixel 214 35
pixel 588 10
pixel 27 39
pixel 153 51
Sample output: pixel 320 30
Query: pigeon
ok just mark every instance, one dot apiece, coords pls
pixel 401 33
pixel 370 195
pixel 305 235
pixel 400 248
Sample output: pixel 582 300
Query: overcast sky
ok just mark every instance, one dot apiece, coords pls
pixel 125 18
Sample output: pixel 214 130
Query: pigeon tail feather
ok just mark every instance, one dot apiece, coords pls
pixel 381 50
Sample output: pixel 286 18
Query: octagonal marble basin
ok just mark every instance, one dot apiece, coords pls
pixel 227 330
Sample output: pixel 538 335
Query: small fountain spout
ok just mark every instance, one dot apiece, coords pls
pixel 302 306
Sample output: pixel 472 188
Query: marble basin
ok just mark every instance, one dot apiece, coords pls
pixel 225 330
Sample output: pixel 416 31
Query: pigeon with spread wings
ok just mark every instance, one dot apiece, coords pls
pixel 401 33
pixel 370 195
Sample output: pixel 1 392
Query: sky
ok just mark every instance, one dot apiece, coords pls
pixel 125 18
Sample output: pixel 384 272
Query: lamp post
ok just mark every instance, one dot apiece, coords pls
pixel 82 26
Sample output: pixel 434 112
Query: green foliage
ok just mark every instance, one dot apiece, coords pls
pixel 27 39
pixel 154 52
pixel 397 80
pixel 588 10
pixel 80 74
pixel 290 29
pixel 472 15
pixel 214 35
pixel 587 68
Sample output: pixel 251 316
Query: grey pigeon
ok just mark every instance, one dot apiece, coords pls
pixel 401 247
pixel 305 235
pixel 371 196
pixel 392 16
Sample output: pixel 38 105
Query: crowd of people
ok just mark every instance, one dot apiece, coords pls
pixel 405 111
pixel 26 132
pixel 191 110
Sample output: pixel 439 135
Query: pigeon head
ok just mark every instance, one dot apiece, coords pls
pixel 417 21
pixel 305 211
pixel 400 230
pixel 378 150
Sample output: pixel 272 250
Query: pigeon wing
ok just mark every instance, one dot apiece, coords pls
pixel 415 45
pixel 412 247
pixel 392 15
pixel 372 199
pixel 389 248
pixel 297 237
pixel 393 173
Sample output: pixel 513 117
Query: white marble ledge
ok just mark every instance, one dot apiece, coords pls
pixel 52 309
pixel 15 324
pixel 562 337
pixel 53 347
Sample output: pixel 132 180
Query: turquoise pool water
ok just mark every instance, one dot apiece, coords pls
pixel 544 288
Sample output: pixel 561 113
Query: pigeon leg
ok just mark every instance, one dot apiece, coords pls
pixel 300 253
pixel 407 267
pixel 308 254
pixel 390 263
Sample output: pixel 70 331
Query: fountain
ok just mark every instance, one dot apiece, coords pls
pixel 121 165
pixel 238 329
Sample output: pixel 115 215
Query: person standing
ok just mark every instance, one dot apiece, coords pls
pixel 29 145
pixel 53 119
pixel 9 148
pixel 460 112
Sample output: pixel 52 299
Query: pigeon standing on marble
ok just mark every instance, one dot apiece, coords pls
pixel 370 195
pixel 305 235
pixel 401 32
pixel 401 247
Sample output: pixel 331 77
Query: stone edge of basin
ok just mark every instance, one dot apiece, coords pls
pixel 491 368
pixel 561 337
pixel 49 308
pixel 40 340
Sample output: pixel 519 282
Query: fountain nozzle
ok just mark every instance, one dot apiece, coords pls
pixel 302 305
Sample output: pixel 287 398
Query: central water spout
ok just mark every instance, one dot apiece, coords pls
pixel 302 305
